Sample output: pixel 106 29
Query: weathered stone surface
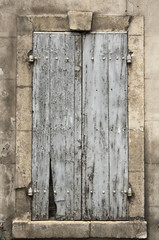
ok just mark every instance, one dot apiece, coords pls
pixel 24 25
pixel 136 83
pixel 136 150
pixel 137 7
pixel 152 179
pixel 137 204
pixel 50 229
pixel 151 20
pixel 153 222
pixel 8 58
pixel 23 157
pixel 24 42
pixel 79 229
pixel 22 204
pixel 7 147
pixel 136 26
pixel 110 23
pixel 151 100
pixel 24 68
pixel 7 194
pixel 152 141
pixel 24 108
pixel 131 229
pixel 151 57
pixel 51 23
pixel 7 106
pixel 80 21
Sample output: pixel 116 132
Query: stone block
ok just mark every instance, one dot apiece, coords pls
pixel 80 21
pixel 22 204
pixel 151 100
pixel 136 202
pixel 7 193
pixel 8 58
pixel 7 24
pixel 152 179
pixel 136 150
pixel 136 26
pixel 7 105
pixel 7 147
pixel 110 23
pixel 153 222
pixel 24 25
pixel 24 108
pixel 50 229
pixel 24 68
pixel 152 141
pixel 121 229
pixel 136 83
pixel 137 7
pixel 24 42
pixel 151 24
pixel 151 57
pixel 50 23
pixel 23 158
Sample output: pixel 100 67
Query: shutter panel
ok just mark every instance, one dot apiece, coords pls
pixel 65 116
pixel 95 181
pixel 105 141
pixel 41 128
pixel 118 126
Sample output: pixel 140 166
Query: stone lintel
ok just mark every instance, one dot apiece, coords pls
pixel 79 229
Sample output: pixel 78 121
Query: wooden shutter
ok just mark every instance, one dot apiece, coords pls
pixel 88 156
pixel 65 122
pixel 105 141
pixel 57 124
pixel 41 128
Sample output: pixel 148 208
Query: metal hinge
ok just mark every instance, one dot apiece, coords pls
pixel 30 192
pixel 130 192
pixel 129 57
pixel 31 59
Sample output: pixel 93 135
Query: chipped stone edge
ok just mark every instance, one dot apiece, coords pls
pixel 79 229
pixel 26 25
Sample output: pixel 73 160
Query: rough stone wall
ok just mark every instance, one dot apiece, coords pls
pixel 150 11
pixel 9 9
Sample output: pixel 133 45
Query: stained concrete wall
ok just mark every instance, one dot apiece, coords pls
pixel 9 9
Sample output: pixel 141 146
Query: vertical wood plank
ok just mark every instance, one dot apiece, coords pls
pixel 41 128
pixel 95 162
pixel 118 125
pixel 65 94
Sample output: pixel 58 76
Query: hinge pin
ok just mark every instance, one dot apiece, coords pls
pixel 130 193
pixel 32 59
pixel 129 58
pixel 30 192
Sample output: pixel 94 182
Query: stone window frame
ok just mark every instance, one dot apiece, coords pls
pixel 135 227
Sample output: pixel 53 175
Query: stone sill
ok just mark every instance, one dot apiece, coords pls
pixel 79 229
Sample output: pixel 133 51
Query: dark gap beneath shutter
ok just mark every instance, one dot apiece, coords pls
pixel 52 205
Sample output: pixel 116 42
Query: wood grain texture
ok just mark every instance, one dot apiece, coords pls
pixel 105 154
pixel 41 128
pixel 65 120
pixel 95 184
pixel 118 126
pixel 80 123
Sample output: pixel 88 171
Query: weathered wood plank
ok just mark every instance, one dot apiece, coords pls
pixel 65 100
pixel 41 128
pixel 118 125
pixel 95 164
